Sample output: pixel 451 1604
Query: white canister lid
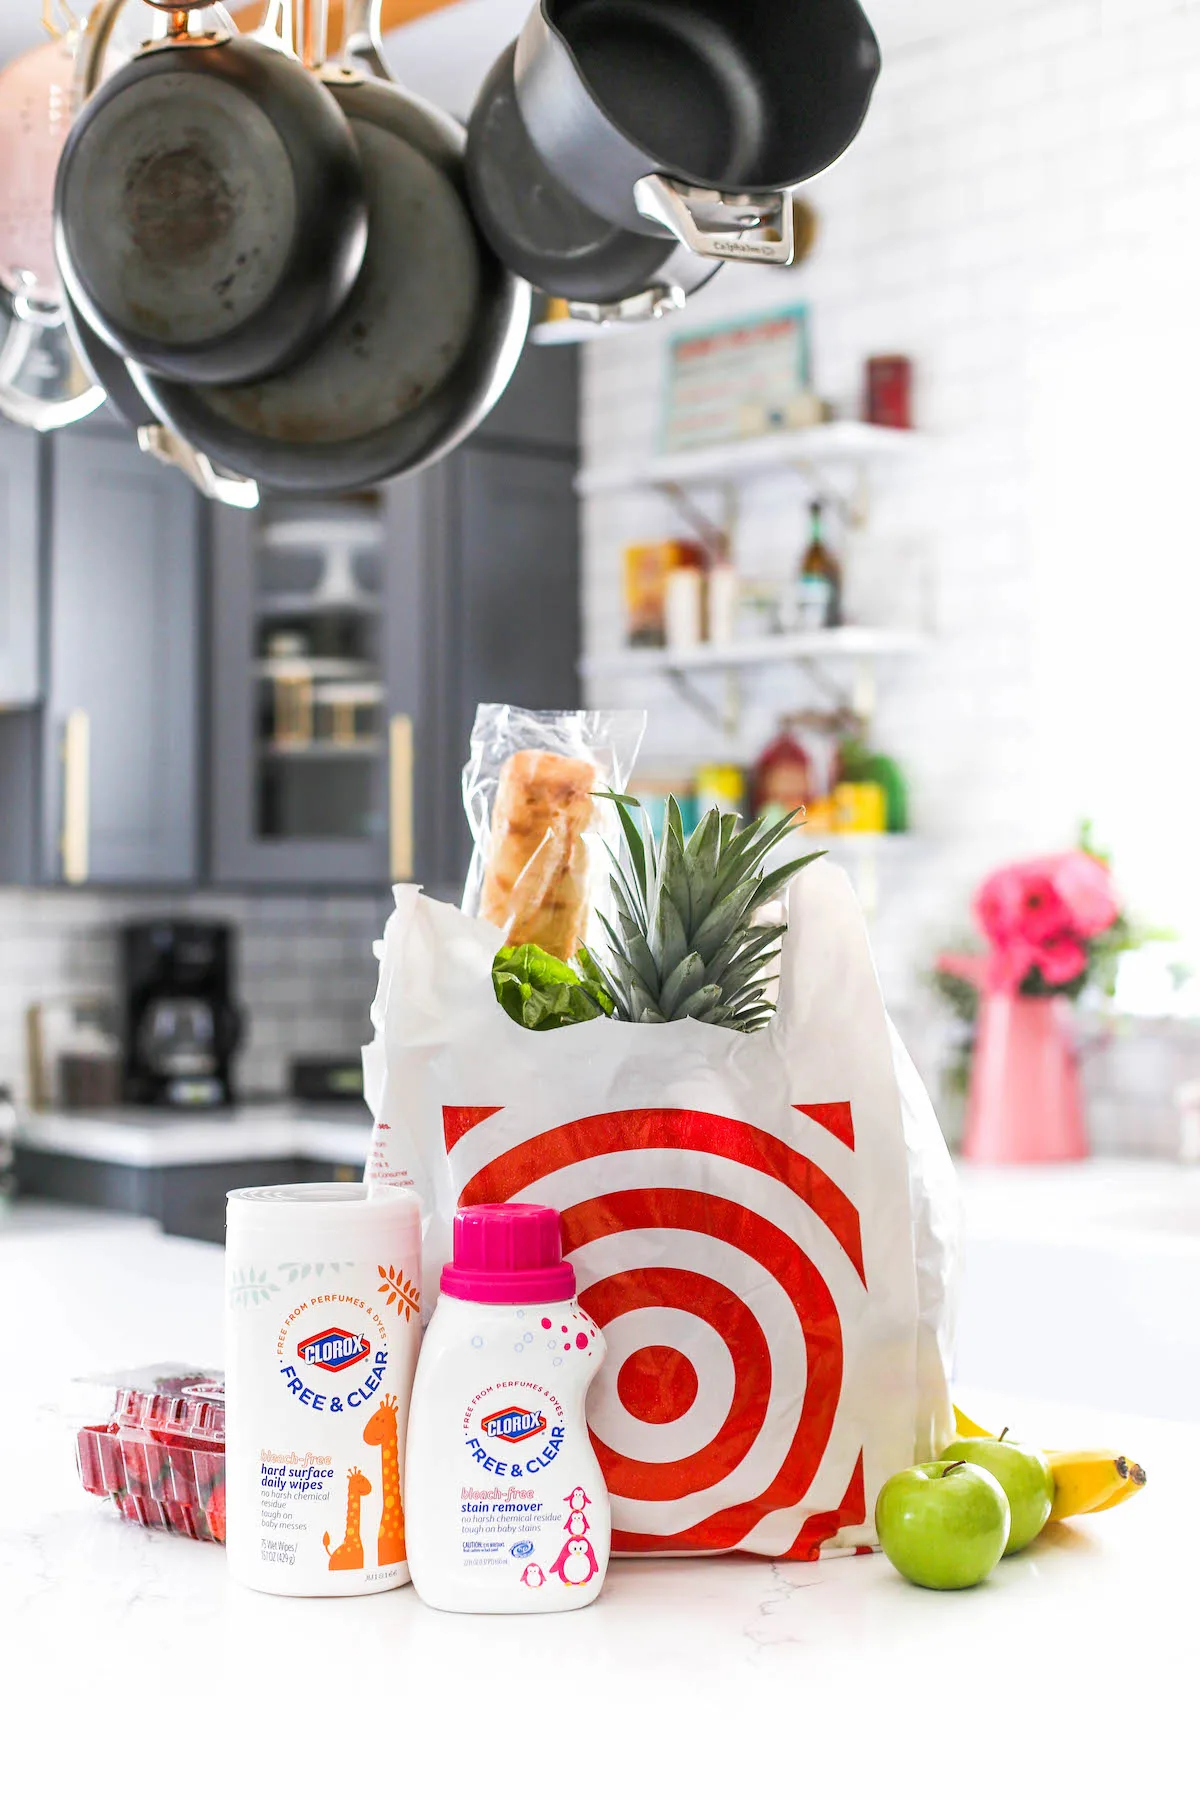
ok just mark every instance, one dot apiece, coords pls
pixel 334 1208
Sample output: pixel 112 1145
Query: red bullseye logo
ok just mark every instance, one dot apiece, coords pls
pixel 725 1368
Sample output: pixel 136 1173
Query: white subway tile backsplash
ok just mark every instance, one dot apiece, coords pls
pixel 306 975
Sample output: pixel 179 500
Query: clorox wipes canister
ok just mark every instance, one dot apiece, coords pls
pixel 323 1325
pixel 507 1508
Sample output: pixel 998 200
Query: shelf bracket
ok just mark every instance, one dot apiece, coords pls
pixel 726 717
pixel 715 538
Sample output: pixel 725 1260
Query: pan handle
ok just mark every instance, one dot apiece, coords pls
pixel 166 446
pixel 362 37
pixel 729 227
pixel 96 36
pixel 653 303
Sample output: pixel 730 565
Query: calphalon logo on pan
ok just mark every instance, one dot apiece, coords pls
pixel 513 1424
pixel 334 1349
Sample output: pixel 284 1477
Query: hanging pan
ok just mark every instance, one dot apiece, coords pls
pixel 540 230
pixel 423 347
pixel 210 215
pixel 690 118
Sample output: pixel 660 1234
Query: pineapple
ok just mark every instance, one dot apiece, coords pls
pixel 683 943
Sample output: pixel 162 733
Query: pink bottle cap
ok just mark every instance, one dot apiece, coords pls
pixel 508 1255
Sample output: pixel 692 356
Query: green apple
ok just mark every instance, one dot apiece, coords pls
pixel 1022 1472
pixel 943 1524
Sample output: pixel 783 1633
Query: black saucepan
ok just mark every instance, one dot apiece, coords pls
pixel 690 117
pixel 538 227
pixel 210 211
pixel 420 352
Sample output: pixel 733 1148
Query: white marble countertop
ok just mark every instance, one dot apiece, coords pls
pixel 128 1653
pixel 147 1137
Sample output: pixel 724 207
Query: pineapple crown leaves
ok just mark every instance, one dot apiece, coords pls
pixel 683 942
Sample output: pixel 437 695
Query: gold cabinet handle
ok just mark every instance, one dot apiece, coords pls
pixel 77 797
pixel 400 797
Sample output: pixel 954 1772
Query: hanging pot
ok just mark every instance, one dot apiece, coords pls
pixel 210 215
pixel 690 117
pixel 422 349
pixel 539 229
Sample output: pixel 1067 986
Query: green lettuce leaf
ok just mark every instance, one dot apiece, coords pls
pixel 541 993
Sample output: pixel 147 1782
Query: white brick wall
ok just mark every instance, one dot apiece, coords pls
pixel 306 973
pixel 1019 214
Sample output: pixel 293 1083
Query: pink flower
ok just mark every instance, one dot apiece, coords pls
pixel 1061 960
pixel 1021 904
pixel 1085 887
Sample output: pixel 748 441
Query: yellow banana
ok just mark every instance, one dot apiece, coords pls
pixel 964 1427
pixel 1085 1480
pixel 1133 1483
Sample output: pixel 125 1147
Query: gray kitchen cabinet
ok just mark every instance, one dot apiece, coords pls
pixel 508 625
pixel 353 638
pixel 20 455
pixel 120 726
pixel 540 406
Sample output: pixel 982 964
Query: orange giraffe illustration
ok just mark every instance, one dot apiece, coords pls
pixel 382 1429
pixel 349 1555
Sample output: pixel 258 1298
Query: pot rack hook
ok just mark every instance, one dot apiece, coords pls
pixel 50 22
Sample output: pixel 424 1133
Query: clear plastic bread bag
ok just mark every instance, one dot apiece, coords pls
pixel 530 790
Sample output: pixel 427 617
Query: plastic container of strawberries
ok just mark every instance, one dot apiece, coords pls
pixel 160 1454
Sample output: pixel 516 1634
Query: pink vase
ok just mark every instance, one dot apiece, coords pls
pixel 1025 1104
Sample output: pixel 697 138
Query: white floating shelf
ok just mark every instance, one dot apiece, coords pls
pixel 842 441
pixel 365 533
pixel 313 668
pixel 270 605
pixel 324 750
pixel 846 641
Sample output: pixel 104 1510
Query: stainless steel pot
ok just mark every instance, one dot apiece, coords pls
pixel 689 118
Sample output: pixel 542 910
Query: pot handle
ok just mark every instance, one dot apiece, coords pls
pixel 653 303
pixel 753 227
pixel 362 38
pixel 166 446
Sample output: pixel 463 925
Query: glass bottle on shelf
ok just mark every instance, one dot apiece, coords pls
pixel 320 709
pixel 820 578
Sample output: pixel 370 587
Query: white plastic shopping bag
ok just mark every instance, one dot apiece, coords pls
pixel 764 1225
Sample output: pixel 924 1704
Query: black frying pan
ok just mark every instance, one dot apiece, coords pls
pixel 635 102
pixel 539 229
pixel 209 206
pixel 422 349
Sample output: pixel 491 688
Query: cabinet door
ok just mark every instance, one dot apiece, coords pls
pixel 540 405
pixel 19 454
pixel 121 757
pixel 506 626
pixel 299 745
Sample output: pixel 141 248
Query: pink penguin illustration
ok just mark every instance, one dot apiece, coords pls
pixel 532 1576
pixel 577 1499
pixel 576 1562
pixel 577 1525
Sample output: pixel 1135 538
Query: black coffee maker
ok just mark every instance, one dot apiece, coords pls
pixel 181 1025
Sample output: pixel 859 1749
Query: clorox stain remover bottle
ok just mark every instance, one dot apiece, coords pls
pixel 507 1508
